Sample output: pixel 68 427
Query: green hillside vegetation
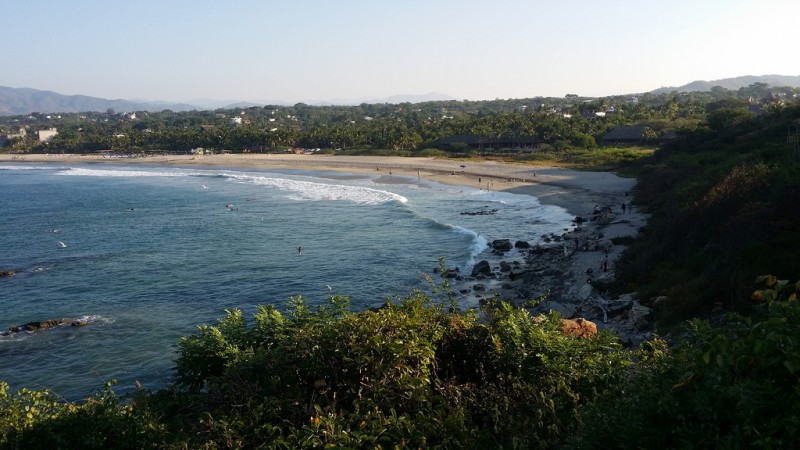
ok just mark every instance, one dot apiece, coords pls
pixel 417 373
pixel 722 201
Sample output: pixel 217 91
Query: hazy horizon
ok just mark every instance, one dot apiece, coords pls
pixel 354 51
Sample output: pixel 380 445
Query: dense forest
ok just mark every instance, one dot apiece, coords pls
pixel 717 261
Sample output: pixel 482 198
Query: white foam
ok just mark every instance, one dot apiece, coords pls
pixel 478 245
pixel 301 190
pixel 29 167
pixel 83 172
pixel 304 190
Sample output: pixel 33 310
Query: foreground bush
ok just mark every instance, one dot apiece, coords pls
pixel 735 386
pixel 39 420
pixel 414 375
pixel 409 375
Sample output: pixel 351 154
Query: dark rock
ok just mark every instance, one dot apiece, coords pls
pixel 43 325
pixel 505 266
pixel 451 273
pixel 7 273
pixel 481 268
pixel 517 275
pixel 522 244
pixel 33 326
pixel 483 212
pixel 479 288
pixel 502 245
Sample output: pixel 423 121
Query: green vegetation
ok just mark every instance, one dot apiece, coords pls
pixel 722 202
pixel 502 127
pixel 409 375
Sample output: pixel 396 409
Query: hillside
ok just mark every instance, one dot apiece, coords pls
pixel 733 83
pixel 18 101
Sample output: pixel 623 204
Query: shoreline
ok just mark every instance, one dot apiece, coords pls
pixel 566 272
pixel 552 185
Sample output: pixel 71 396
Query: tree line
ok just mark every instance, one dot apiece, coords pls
pixel 406 128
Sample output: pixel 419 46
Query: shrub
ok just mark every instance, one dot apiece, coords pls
pixel 733 386
pixel 410 374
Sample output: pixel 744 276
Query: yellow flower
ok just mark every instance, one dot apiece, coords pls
pixel 758 296
pixel 793 297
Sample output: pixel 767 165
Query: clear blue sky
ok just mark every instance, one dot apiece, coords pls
pixel 354 50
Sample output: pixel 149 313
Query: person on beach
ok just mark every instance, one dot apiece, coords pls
pixel 623 207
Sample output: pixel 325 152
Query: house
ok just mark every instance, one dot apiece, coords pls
pixel 625 135
pixel 21 134
pixel 47 135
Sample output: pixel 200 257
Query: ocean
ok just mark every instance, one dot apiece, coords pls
pixel 145 254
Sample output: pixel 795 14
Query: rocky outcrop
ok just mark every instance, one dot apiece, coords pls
pixel 570 273
pixel 502 245
pixel 7 273
pixel 43 325
pixel 481 268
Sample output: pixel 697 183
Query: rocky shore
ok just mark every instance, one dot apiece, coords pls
pixel 567 273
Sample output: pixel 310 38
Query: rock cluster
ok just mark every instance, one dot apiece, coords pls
pixel 569 273
pixel 43 325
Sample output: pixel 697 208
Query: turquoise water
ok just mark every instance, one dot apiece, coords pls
pixel 145 254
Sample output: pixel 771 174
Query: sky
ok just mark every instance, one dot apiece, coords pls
pixel 348 51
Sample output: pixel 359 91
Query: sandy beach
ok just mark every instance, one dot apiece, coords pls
pixel 566 274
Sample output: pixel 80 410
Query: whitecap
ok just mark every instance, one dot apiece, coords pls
pixel 304 190
pixel 84 172
pixel 477 245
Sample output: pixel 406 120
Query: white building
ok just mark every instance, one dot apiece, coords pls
pixel 47 135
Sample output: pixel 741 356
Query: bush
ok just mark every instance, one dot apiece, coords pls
pixel 38 420
pixel 733 386
pixel 411 374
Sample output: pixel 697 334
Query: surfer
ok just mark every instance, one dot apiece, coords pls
pixel 299 250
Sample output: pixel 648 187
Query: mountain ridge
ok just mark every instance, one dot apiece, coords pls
pixel 733 83
pixel 20 101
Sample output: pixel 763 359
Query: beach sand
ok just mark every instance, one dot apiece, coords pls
pixel 569 280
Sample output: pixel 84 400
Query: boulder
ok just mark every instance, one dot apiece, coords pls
pixel 522 244
pixel 502 245
pixel 581 328
pixel 505 266
pixel 7 273
pixel 39 325
pixel 563 309
pixel 639 316
pixel 451 273
pixel 481 268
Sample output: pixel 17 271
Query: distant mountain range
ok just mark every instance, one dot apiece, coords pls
pixel 733 83
pixel 15 101
pixel 19 101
